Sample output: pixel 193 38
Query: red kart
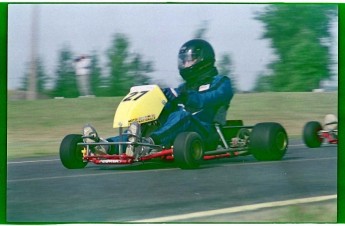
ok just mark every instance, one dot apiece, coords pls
pixel 314 134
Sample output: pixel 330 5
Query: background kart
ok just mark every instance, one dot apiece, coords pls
pixel 266 141
pixel 314 134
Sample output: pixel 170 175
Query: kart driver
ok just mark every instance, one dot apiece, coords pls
pixel 193 106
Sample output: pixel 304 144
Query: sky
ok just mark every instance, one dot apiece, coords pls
pixel 156 31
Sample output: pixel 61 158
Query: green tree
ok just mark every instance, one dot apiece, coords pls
pixel 298 33
pixel 139 70
pixel 66 83
pixel 201 31
pixel 96 80
pixel 42 77
pixel 263 83
pixel 126 69
pixel 225 67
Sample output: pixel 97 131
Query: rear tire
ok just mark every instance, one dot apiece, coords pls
pixel 70 153
pixel 311 136
pixel 268 141
pixel 188 150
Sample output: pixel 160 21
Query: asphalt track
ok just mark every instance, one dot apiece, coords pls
pixel 43 191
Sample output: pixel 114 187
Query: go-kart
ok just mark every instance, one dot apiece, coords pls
pixel 314 134
pixel 266 141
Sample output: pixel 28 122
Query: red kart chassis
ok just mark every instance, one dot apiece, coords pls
pixel 164 154
pixel 329 137
pixel 267 141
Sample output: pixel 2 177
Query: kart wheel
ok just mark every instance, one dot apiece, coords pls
pixel 311 136
pixel 268 141
pixel 70 153
pixel 188 150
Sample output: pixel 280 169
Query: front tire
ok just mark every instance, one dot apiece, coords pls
pixel 70 153
pixel 188 150
pixel 311 136
pixel 268 141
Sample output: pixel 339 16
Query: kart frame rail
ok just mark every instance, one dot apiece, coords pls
pixel 166 154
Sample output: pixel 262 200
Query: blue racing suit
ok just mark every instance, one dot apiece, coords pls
pixel 191 108
pixel 196 110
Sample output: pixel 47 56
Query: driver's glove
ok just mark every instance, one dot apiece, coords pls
pixel 170 93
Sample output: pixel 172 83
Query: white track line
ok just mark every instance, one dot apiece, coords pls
pixel 53 160
pixel 33 161
pixel 296 145
pixel 83 175
pixel 237 209
pixel 127 172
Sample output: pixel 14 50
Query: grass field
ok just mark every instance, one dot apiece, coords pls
pixel 36 128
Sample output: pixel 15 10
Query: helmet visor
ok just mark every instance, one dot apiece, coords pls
pixel 187 59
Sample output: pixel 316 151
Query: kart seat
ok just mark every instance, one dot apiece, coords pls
pixel 219 121
pixel 220 117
